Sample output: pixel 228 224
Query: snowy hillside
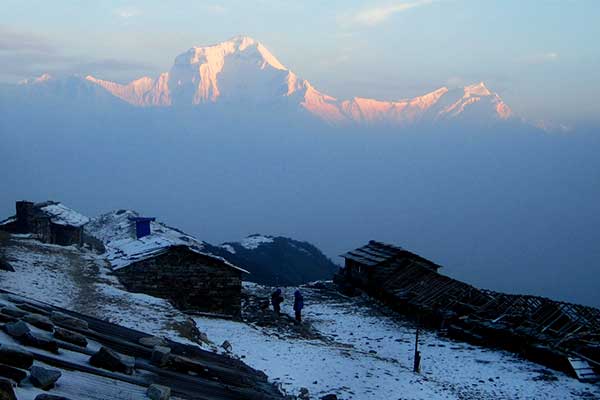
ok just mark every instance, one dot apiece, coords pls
pixel 82 281
pixel 277 260
pixel 366 353
pixel 351 347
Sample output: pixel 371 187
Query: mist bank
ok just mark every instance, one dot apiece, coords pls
pixel 501 206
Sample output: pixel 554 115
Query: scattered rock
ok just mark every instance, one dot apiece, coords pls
pixel 112 361
pixel 70 337
pixel 6 390
pixel 5 266
pixel 43 378
pixel 151 341
pixel 12 373
pixel 41 342
pixel 227 346
pixel 17 329
pixel 160 355
pixel 304 395
pixel 68 321
pixel 158 392
pixel 203 337
pixel 45 396
pixel 39 321
pixel 329 397
pixel 15 356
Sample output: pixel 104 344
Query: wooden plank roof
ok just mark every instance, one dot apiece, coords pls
pixel 191 372
pixel 375 253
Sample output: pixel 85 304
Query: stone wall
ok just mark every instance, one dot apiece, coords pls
pixel 190 280
pixel 65 235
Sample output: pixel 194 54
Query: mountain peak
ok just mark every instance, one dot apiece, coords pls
pixel 45 77
pixel 251 49
pixel 241 70
pixel 477 89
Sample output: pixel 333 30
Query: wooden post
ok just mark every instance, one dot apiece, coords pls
pixel 417 359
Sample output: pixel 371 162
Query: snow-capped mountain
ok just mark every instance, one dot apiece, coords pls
pixel 242 71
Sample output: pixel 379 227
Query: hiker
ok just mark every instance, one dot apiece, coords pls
pixel 298 305
pixel 276 300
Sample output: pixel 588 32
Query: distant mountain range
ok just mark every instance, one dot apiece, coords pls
pixel 242 71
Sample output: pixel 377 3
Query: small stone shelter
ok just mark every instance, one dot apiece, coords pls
pixel 165 262
pixel 52 222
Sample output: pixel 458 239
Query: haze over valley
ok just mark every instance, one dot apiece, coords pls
pixel 230 142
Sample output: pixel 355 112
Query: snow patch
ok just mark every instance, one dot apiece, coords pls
pixel 123 247
pixel 254 241
pixel 229 248
pixel 369 357
pixel 63 215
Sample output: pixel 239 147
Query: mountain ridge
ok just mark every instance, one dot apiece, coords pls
pixel 242 70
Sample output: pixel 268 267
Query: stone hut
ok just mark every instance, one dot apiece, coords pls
pixel 51 221
pixel 165 262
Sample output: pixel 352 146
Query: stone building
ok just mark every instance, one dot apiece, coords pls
pixel 152 258
pixel 50 221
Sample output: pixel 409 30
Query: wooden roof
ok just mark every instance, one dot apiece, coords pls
pixel 191 373
pixel 375 253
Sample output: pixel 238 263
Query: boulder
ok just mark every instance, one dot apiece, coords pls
pixel 17 329
pixel 6 390
pixel 39 341
pixel 151 341
pixel 39 321
pixel 70 337
pixel 15 356
pixel 158 392
pixel 45 396
pixel 304 395
pixel 5 266
pixel 12 373
pixel 329 397
pixel 111 360
pixel 227 346
pixel 67 321
pixel 43 378
pixel 160 355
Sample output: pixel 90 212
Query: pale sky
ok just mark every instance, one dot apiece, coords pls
pixel 542 57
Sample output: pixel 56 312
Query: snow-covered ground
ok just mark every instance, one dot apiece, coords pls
pixel 368 354
pixel 365 352
pixel 81 281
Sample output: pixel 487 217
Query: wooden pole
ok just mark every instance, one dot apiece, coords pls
pixel 417 359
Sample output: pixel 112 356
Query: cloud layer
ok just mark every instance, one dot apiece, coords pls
pixel 378 14
pixel 24 55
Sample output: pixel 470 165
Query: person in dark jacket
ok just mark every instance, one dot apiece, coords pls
pixel 298 305
pixel 276 300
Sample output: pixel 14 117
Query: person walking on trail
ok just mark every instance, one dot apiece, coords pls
pixel 276 300
pixel 298 305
